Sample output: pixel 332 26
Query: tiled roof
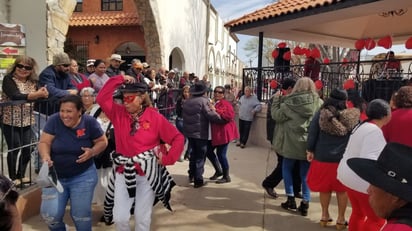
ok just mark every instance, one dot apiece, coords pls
pixel 104 19
pixel 280 8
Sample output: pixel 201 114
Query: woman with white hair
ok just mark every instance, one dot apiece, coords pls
pixel 248 106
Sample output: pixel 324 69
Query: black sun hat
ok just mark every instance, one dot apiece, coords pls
pixel 391 172
pixel 199 88
pixel 133 87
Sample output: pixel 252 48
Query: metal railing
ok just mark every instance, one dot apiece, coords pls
pixel 372 80
pixel 39 113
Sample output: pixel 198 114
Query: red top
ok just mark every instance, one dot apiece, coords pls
pixel 153 127
pixel 399 127
pixel 312 68
pixel 393 64
pixel 224 133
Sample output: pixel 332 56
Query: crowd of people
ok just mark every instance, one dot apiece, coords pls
pixel 105 139
pixel 343 144
pixel 109 138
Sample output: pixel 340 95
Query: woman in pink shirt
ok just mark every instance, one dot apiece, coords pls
pixel 140 177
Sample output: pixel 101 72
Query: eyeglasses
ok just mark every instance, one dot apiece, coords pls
pixel 7 192
pixel 65 65
pixel 218 92
pixel 129 98
pixel 21 66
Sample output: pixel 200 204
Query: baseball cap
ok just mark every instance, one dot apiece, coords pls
pixel 90 62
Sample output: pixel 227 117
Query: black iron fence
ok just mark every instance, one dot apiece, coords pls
pixel 13 153
pixel 372 79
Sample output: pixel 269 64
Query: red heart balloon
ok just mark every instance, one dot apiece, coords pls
pixel 287 55
pixel 297 50
pixel 360 44
pixel 315 53
pixel 385 42
pixel 318 84
pixel 282 45
pixel 370 44
pixel 326 61
pixel 275 53
pixel 273 84
pixel 306 52
pixel 408 43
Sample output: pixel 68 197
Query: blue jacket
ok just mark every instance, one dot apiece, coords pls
pixel 57 82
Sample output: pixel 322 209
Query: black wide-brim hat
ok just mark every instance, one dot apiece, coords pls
pixel 199 88
pixel 133 87
pixel 391 172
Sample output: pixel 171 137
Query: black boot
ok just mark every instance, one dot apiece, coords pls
pixel 289 204
pixel 218 170
pixel 225 178
pixel 303 208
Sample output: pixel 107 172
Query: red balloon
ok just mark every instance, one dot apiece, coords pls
pixel 370 44
pixel 297 50
pixel 326 61
pixel 287 55
pixel 385 42
pixel 306 52
pixel 360 44
pixel 275 53
pixel 349 84
pixel 344 60
pixel 318 84
pixel 408 43
pixel 315 53
pixel 282 45
pixel 273 84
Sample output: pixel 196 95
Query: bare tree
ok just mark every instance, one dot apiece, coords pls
pixel 334 54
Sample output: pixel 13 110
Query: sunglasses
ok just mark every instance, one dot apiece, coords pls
pixel 219 92
pixel 21 66
pixel 65 65
pixel 7 192
pixel 129 98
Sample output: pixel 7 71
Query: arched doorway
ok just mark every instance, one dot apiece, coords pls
pixel 130 51
pixel 176 60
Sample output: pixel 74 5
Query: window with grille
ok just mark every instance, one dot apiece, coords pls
pixel 79 6
pixel 112 5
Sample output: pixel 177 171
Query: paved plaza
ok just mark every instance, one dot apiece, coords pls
pixel 239 205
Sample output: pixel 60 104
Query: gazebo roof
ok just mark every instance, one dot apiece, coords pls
pixel 331 22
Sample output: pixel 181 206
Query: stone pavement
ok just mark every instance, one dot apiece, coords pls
pixel 239 205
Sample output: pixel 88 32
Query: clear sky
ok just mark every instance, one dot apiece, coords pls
pixel 232 9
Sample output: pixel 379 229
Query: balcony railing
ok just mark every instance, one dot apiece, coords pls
pixel 372 81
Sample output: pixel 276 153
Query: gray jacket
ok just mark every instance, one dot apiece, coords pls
pixel 196 115
pixel 248 107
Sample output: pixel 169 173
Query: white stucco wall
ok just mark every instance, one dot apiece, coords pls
pixel 32 14
pixel 183 24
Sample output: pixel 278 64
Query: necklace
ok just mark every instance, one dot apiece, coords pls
pixel 134 126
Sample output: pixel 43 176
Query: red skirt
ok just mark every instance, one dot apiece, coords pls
pixel 322 177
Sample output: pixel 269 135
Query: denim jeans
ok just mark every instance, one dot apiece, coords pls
pixel 79 189
pixel 197 159
pixel 287 172
pixel 221 152
pixel 276 176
